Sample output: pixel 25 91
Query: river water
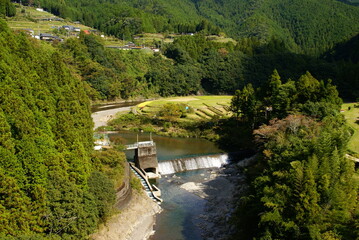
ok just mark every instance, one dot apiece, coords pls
pixel 181 209
pixel 179 219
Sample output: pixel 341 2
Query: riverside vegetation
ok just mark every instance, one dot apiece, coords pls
pixel 193 116
pixel 53 186
pixel 303 186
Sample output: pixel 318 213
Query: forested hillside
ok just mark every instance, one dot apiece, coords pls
pixel 123 19
pixel 291 36
pixel 303 186
pixel 305 26
pixel 49 176
pixel 112 73
pixel 196 64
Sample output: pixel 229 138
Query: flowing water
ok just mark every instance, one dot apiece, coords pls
pixel 192 163
pixel 179 219
pixel 176 156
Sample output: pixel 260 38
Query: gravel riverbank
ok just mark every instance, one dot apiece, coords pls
pixel 100 118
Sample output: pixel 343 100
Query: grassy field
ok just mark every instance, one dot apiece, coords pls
pixel 30 18
pixel 221 39
pixel 205 107
pixel 149 38
pixel 352 117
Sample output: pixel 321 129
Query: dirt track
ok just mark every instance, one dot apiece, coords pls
pixel 100 118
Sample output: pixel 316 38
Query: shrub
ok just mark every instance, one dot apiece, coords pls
pixel 104 193
pixel 135 183
pixel 166 126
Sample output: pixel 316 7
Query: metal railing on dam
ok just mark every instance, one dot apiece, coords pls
pixel 139 144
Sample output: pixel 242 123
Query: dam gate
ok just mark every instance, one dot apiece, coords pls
pixel 145 157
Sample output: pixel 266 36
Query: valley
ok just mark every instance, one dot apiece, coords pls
pixel 212 83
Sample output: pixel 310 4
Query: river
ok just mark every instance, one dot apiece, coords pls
pixel 181 208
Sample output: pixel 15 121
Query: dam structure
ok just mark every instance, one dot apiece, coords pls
pixel 146 157
pixel 193 163
pixel 145 167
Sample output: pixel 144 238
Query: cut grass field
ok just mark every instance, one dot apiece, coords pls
pixel 205 107
pixel 352 117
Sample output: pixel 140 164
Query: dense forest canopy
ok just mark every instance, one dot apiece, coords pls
pixel 303 186
pixel 297 23
pixel 7 8
pixel 126 18
pixel 48 173
pixel 290 36
pixel 196 64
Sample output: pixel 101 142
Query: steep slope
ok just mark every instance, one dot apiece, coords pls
pixel 123 18
pixel 48 182
pixel 345 59
pixel 310 26
pixel 306 26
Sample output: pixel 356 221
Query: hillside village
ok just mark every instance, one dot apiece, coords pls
pixel 42 25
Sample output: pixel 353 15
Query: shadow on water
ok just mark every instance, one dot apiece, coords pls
pixel 168 148
pixel 190 230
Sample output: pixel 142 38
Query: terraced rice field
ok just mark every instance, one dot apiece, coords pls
pixel 205 107
pixel 30 18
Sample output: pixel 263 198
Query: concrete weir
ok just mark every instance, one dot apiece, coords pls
pixel 146 157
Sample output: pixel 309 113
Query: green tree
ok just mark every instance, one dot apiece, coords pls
pixel 300 192
pixel 308 88
pixel 246 103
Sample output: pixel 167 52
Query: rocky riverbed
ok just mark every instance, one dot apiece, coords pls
pixel 219 190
